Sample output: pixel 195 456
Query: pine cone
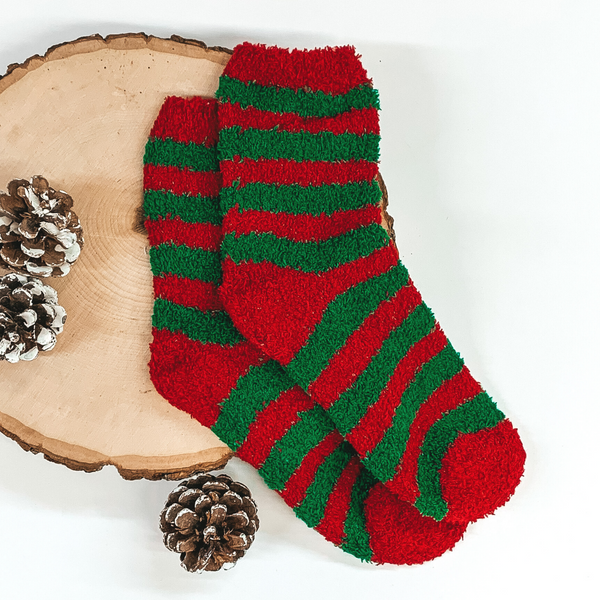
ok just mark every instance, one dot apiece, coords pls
pixel 39 233
pixel 210 520
pixel 30 317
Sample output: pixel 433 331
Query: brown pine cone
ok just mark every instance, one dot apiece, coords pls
pixel 30 317
pixel 210 520
pixel 39 233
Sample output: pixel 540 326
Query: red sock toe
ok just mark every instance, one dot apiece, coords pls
pixel 481 471
pixel 401 535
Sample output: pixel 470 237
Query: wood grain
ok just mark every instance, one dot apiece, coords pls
pixel 80 116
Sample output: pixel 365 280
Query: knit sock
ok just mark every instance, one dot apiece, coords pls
pixel 201 364
pixel 312 278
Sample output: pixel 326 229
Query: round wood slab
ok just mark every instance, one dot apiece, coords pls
pixel 80 116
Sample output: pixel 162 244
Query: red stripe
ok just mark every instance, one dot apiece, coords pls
pixel 187 120
pixel 449 395
pixel 182 181
pixel 301 228
pixel 331 70
pixel 281 171
pixel 271 424
pixel 195 235
pixel 357 353
pixel 295 489
pixel 357 121
pixel 278 307
pixel 379 416
pixel 333 522
pixel 187 292
pixel 191 375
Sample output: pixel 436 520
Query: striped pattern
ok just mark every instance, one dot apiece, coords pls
pixel 202 364
pixel 298 165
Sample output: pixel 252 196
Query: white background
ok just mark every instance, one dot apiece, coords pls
pixel 490 151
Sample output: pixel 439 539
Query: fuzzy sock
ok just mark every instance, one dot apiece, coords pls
pixel 201 364
pixel 312 278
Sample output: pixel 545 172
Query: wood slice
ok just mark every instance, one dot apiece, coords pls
pixel 80 116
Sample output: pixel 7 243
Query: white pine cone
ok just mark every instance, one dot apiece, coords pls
pixel 210 520
pixel 30 317
pixel 39 233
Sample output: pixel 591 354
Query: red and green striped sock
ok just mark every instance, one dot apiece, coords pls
pixel 201 364
pixel 313 279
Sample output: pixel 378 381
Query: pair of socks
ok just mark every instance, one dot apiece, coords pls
pixel 285 322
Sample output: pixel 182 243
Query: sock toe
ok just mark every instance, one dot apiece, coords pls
pixel 399 534
pixel 480 472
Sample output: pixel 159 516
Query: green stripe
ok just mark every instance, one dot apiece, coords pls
pixel 300 102
pixel 385 457
pixel 325 146
pixel 287 454
pixel 207 327
pixel 252 394
pixel 308 257
pixel 184 261
pixel 296 199
pixel 312 509
pixel 471 417
pixel 357 537
pixel 353 404
pixel 343 316
pixel 170 153
pixel 191 209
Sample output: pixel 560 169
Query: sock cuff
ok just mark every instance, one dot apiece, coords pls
pixel 187 120
pixel 332 70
